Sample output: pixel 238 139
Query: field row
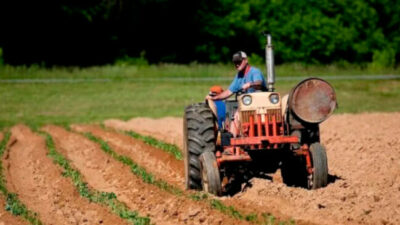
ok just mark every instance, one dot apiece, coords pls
pixel 92 175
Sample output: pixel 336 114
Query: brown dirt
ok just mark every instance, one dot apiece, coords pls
pixel 164 129
pixel 162 164
pixel 41 187
pixel 105 174
pixel 363 152
pixel 5 216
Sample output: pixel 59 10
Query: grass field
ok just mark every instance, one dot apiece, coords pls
pixel 132 91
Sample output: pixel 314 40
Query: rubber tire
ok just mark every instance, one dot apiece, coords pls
pixel 210 178
pixel 199 137
pixel 320 166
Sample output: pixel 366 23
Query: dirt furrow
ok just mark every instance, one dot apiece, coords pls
pixel 106 174
pixel 5 216
pixel 41 187
pixel 163 129
pixel 162 164
pixel 363 152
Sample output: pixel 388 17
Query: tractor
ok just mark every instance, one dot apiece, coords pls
pixel 274 133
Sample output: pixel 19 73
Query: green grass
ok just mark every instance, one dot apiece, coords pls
pixel 118 72
pixel 149 178
pixel 169 148
pixel 126 96
pixel 13 204
pixel 106 198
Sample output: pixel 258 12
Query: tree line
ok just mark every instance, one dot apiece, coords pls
pixel 92 32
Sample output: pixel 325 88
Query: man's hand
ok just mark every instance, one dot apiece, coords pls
pixel 246 86
pixel 208 97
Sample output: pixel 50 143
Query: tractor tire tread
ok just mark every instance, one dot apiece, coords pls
pixel 199 137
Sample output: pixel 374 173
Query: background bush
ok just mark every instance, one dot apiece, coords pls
pixel 101 31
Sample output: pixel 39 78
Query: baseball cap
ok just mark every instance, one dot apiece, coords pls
pixel 238 57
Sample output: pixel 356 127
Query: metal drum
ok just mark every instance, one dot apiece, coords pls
pixel 313 100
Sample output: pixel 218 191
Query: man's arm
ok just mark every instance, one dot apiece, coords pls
pixel 256 85
pixel 224 95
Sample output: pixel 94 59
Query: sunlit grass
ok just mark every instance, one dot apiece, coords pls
pixel 125 96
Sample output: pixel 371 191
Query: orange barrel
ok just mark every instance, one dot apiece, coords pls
pixel 313 100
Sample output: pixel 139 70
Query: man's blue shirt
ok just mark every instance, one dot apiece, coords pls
pixel 252 75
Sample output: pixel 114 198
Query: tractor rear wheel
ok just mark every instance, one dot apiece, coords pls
pixel 199 137
pixel 211 180
pixel 319 177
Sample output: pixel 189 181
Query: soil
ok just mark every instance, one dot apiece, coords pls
pixel 363 156
pixel 162 164
pixel 106 174
pixel 5 216
pixel 41 187
pixel 168 129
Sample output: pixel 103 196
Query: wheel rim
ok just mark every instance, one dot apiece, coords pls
pixel 310 180
pixel 205 180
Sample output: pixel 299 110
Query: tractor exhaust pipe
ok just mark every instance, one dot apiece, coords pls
pixel 269 60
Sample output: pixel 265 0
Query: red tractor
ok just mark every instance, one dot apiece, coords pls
pixel 274 132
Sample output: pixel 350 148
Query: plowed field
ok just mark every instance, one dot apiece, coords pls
pixel 106 174
pixel 7 217
pixel 363 155
pixel 40 186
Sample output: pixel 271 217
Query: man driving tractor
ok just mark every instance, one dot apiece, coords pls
pixel 273 132
pixel 248 79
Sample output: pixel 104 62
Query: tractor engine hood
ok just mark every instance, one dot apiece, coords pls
pixel 312 100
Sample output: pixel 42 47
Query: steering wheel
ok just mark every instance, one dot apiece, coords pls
pixel 238 93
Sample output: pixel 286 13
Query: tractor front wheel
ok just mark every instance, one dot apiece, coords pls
pixel 319 177
pixel 211 181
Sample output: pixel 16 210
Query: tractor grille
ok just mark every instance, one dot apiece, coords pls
pixel 271 123
pixel 277 112
pixel 246 115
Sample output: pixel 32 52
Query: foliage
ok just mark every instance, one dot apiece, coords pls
pixel 1 57
pixel 135 168
pixel 104 31
pixel 131 61
pixel 383 59
pixel 106 198
pixel 169 148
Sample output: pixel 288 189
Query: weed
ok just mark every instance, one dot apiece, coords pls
pixel 135 168
pixel 198 196
pixel 13 204
pixel 106 198
pixel 229 210
pixel 150 179
pixel 172 149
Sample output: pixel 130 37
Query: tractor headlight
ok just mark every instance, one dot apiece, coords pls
pixel 274 98
pixel 246 100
